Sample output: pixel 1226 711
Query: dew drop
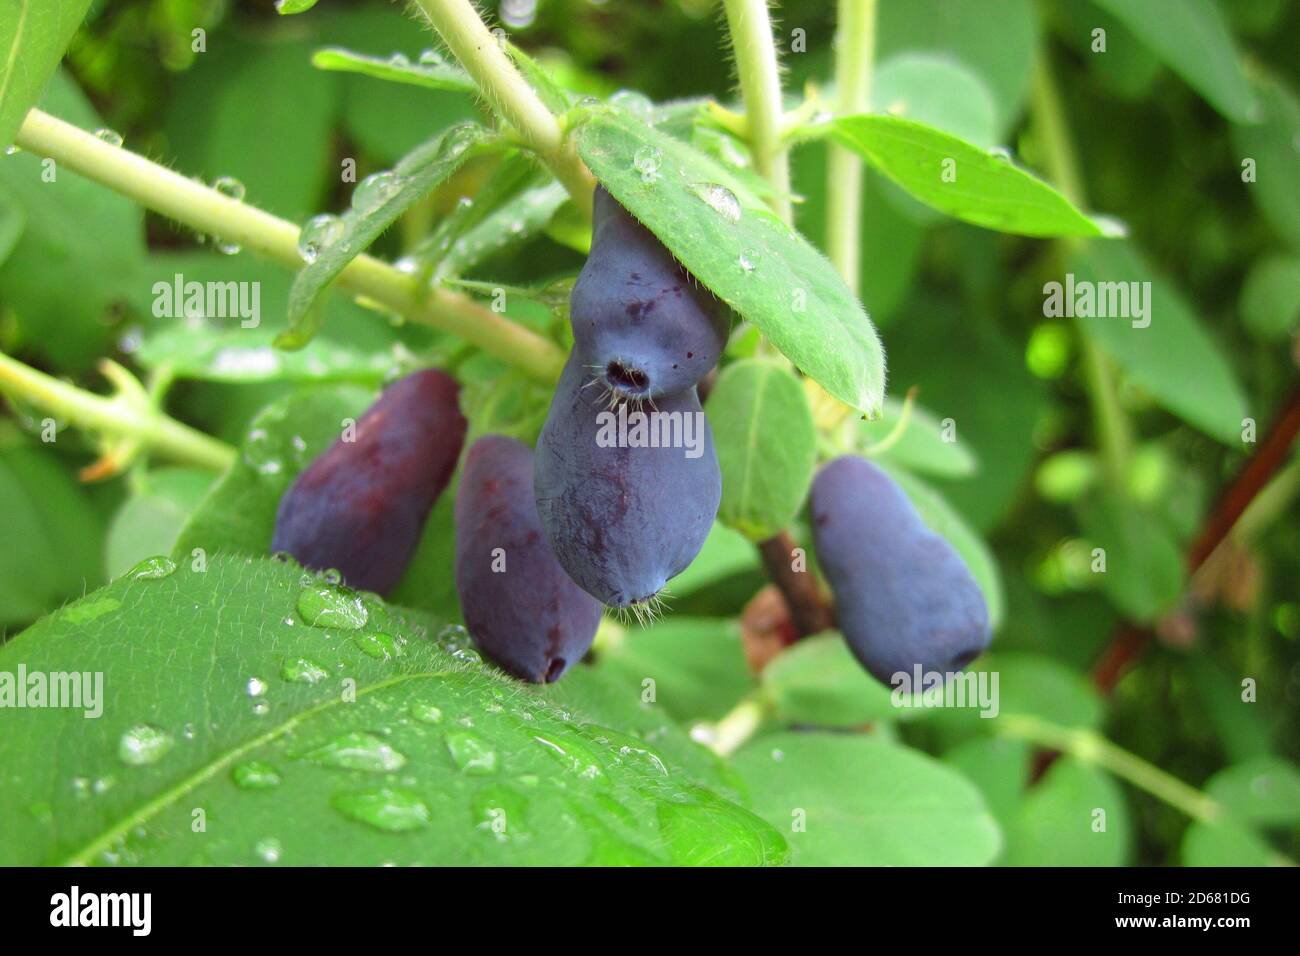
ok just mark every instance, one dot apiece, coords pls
pixel 256 687
pixel 358 751
pixel 471 753
pixel 379 646
pixel 329 605
pixel 720 199
pixel 230 187
pixel 431 57
pixel 269 850
pixel 151 569
pixel 399 60
pixel 255 775
pixel 261 708
pixel 375 190
pixel 748 260
pixel 143 744
pixel 647 161
pixel 426 713
pixel 386 808
pixel 300 670
pixel 631 101
pixel 318 234
pixel 81 786
pixel 260 453
pixel 109 136
pixel 12 150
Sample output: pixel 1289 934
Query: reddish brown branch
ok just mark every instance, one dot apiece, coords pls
pixel 810 611
pixel 1130 639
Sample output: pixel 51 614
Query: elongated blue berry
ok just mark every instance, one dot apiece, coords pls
pixel 624 517
pixel 523 611
pixel 903 596
pixel 361 505
pixel 641 324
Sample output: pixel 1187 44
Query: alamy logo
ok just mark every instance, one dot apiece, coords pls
pixel 926 689
pixel 103 909
pixel 211 300
pixel 78 690
pixel 637 429
pixel 1085 299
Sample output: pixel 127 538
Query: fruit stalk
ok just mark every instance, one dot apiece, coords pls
pixel 502 85
pixel 116 416
pixel 208 211
pixel 855 50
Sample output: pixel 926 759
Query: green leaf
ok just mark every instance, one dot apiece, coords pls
pixel 999 49
pixel 1271 144
pixel 149 522
pixel 849 800
pixel 238 515
pixel 818 681
pixel 1270 299
pixel 999 767
pixel 1191 37
pixel 921 446
pixel 942 519
pixel 1226 843
pixel 288 7
pixel 79 254
pixel 1165 343
pixel 1144 573
pixel 278 150
pixel 962 180
pixel 397 69
pixel 1027 684
pixel 767 445
pixel 1264 791
pixel 33 36
pixel 51 533
pixel 728 239
pixel 1059 821
pixel 697 666
pixel 414 176
pixel 725 553
pixel 1243 731
pixel 296 743
pixel 513 223
pixel 935 89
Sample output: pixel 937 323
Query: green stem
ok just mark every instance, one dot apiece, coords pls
pixel 208 211
pixel 760 88
pixel 855 50
pixel 1092 748
pixel 1114 435
pixel 119 416
pixel 502 85
pixel 735 729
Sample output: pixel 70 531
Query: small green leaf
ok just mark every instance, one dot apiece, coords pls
pixel 149 522
pixel 435 76
pixel 1158 348
pixel 33 36
pixel 224 703
pixel 249 355
pixel 287 7
pixel 729 240
pixel 1226 843
pixel 1270 145
pixel 1059 824
pixel 935 89
pixel 849 800
pixel 1192 38
pixel 1264 791
pixel 767 445
pixel 964 181
pixel 697 665
pixel 1144 570
pixel 1270 299
pixel 921 446
pixel 941 518
pixel 414 176
pixel 818 681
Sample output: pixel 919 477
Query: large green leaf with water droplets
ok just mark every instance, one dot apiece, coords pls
pixel 33 35
pixel 732 243
pixel 252 716
pixel 963 180
pixel 376 204
pixel 851 800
